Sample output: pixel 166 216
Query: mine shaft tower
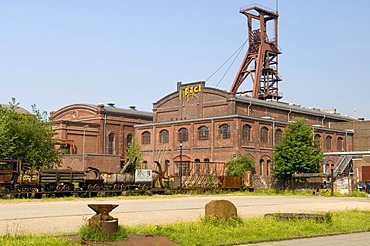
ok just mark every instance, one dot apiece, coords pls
pixel 261 59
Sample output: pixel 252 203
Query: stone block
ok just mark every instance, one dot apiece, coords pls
pixel 221 209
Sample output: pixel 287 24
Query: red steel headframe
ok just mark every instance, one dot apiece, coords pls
pixel 261 59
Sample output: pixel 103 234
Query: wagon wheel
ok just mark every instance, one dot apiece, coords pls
pixel 59 188
pixel 123 187
pixel 66 187
pixel 161 173
pixel 96 187
pixel 24 189
pixel 90 187
pixel 34 189
pixel 116 187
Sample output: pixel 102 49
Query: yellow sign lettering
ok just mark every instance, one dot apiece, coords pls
pixel 190 91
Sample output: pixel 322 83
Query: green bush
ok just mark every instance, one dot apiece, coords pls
pixel 95 234
pixel 239 164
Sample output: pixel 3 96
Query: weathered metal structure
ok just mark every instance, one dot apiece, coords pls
pixel 102 219
pixel 261 60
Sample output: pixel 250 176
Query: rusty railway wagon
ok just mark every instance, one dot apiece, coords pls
pixel 16 178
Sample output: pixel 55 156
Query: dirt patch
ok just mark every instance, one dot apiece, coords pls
pixel 134 240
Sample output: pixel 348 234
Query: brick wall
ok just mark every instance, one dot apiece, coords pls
pixel 105 163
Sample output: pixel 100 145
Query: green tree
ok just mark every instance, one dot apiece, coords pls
pixel 239 164
pixel 134 151
pixel 298 151
pixel 29 136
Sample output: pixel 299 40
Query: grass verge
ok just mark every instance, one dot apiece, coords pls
pixel 34 240
pixel 236 231
pixel 208 231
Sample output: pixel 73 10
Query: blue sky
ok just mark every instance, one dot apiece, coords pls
pixel 56 53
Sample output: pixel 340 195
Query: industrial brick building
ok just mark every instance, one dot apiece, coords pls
pixel 96 135
pixel 361 147
pixel 215 125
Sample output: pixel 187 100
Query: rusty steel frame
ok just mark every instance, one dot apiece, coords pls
pixel 204 175
pixel 261 60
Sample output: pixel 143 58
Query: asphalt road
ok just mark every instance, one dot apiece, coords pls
pixel 66 216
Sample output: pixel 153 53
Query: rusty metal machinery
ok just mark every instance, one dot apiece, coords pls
pixel 261 60
pixel 161 173
pixel 203 175
pixel 102 219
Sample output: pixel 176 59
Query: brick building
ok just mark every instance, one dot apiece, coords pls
pixel 214 125
pixel 96 135
pixel 361 147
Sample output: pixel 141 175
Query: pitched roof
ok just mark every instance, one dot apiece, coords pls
pixel 296 108
pixel 17 108
pixel 128 111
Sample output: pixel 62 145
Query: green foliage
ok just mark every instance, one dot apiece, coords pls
pixel 297 152
pixel 29 136
pixel 328 217
pixel 95 234
pixel 230 222
pixel 134 151
pixel 239 164
pixel 34 240
pixel 357 193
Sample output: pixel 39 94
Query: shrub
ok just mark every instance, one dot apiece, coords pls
pixel 94 233
pixel 239 164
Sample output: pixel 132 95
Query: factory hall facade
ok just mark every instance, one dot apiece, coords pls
pixel 213 125
pixel 96 135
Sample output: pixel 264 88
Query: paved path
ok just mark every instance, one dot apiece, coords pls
pixel 67 216
pixel 355 239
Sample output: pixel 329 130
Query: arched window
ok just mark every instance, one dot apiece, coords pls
pixel 224 131
pixel 339 144
pixel 328 143
pixel 183 135
pixel 262 162
pixel 163 136
pixel 246 133
pixel 206 160
pixel 318 139
pixel 268 168
pixel 264 135
pixel 111 143
pixel 203 133
pixel 129 140
pixel 278 135
pixel 145 138
pixel 197 166
pixel 145 165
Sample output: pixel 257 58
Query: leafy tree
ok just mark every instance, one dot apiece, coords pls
pixel 239 164
pixel 298 151
pixel 134 151
pixel 29 136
